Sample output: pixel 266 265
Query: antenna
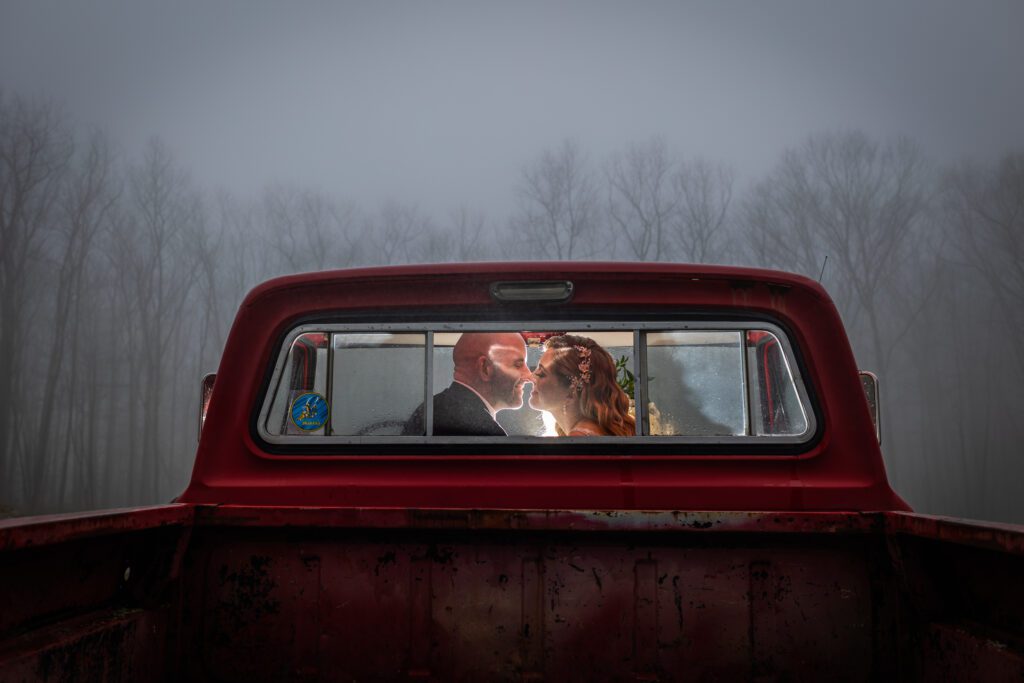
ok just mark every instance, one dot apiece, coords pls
pixel 822 273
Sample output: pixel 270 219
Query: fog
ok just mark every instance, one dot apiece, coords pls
pixel 157 160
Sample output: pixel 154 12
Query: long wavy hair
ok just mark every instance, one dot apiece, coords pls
pixel 599 397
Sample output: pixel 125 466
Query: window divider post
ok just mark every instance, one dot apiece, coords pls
pixel 640 383
pixel 428 394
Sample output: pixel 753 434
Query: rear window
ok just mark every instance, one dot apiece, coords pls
pixel 532 383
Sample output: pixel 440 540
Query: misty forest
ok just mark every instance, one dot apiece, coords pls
pixel 120 277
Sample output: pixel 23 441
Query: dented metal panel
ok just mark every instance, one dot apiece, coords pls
pixel 552 602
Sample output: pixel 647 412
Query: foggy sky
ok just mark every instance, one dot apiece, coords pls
pixel 442 103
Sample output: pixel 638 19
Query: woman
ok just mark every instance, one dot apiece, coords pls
pixel 575 382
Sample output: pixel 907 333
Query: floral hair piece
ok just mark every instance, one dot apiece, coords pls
pixel 583 378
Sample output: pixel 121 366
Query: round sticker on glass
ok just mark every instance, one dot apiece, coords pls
pixel 309 411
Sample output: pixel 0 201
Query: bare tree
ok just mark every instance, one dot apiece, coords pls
pixel 857 202
pixel 985 213
pixel 777 226
pixel 964 390
pixel 966 350
pixel 154 256
pixel 35 149
pixel 308 231
pixel 703 194
pixel 86 395
pixel 246 262
pixel 641 200
pixel 396 233
pixel 461 241
pixel 84 204
pixel 468 229
pixel 558 205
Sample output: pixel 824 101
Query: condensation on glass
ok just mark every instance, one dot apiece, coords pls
pixel 377 382
pixel 724 382
pixel 721 383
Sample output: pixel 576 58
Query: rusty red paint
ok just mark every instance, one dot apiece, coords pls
pixel 24 532
pixel 1007 538
pixel 563 605
pixel 260 593
pixel 540 520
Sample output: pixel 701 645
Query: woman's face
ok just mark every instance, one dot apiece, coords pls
pixel 550 390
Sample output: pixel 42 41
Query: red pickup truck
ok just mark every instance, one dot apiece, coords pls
pixel 337 528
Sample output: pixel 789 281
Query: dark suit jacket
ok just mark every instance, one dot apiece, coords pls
pixel 457 412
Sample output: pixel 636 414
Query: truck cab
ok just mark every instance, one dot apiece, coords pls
pixel 725 368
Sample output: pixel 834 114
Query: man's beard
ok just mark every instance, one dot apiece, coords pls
pixel 508 391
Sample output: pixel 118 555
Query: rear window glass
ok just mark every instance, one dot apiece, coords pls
pixel 533 382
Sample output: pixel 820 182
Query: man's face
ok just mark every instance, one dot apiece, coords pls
pixel 510 374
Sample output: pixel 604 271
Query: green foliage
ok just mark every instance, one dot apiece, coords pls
pixel 624 377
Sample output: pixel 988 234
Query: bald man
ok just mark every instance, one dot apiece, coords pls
pixel 490 371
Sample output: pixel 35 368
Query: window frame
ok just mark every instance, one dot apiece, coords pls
pixel 538 445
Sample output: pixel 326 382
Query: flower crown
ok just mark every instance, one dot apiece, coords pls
pixel 580 380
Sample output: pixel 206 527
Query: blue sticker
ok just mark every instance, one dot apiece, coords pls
pixel 309 411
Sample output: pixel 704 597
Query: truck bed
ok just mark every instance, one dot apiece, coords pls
pixel 234 593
